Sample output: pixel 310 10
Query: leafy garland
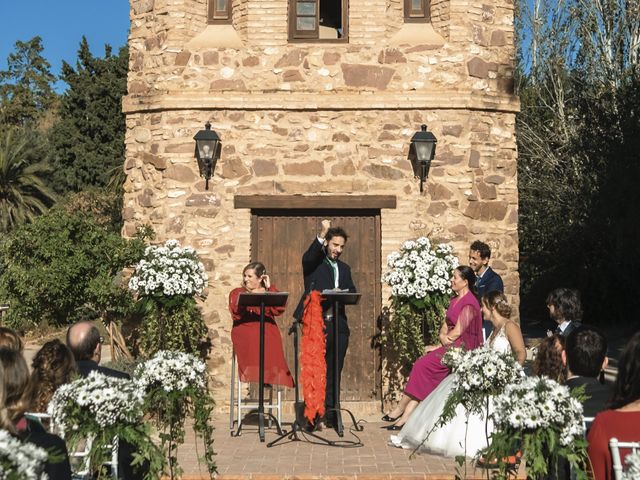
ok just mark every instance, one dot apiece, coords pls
pixel 175 387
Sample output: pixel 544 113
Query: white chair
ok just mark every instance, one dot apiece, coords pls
pixel 587 421
pixel 236 404
pixel 615 446
pixel 80 465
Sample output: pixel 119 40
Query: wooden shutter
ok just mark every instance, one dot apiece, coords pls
pixel 219 11
pixel 416 10
pixel 304 16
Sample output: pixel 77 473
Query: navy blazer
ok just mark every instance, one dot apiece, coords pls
pixel 318 275
pixel 489 282
pixel 85 367
pixel 597 394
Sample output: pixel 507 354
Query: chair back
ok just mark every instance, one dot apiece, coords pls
pixel 615 446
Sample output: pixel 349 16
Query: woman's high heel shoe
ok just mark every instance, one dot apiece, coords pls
pixel 393 427
pixel 387 418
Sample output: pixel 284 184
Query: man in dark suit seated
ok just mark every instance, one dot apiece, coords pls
pixel 486 279
pixel 85 342
pixel 565 308
pixel 323 270
pixel 585 356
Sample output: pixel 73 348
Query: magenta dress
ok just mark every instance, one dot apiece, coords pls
pixel 428 371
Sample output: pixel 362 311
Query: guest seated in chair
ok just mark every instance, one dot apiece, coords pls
pixel 548 362
pixel 245 333
pixel 463 327
pixel 622 420
pixel 15 384
pixel 51 367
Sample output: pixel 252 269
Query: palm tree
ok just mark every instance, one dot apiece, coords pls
pixel 23 193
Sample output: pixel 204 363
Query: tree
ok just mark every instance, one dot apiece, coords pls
pixel 23 193
pixel 66 265
pixel 88 141
pixel 578 133
pixel 26 91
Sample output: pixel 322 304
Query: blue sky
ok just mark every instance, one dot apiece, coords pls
pixel 61 25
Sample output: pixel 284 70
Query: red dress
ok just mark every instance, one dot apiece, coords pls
pixel 625 426
pixel 245 336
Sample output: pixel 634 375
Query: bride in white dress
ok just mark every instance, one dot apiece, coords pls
pixel 449 439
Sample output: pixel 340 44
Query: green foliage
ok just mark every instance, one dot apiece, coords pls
pixel 23 193
pixel 171 323
pixel 64 267
pixel 169 411
pixel 578 134
pixel 26 91
pixel 88 141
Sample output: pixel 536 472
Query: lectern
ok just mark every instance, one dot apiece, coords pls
pixel 262 300
pixel 337 297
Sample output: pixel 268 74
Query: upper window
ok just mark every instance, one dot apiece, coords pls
pixel 219 11
pixel 318 19
pixel 416 11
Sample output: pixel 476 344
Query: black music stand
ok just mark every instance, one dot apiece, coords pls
pixel 337 297
pixel 262 300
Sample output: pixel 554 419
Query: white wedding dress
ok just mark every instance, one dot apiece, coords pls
pixel 449 439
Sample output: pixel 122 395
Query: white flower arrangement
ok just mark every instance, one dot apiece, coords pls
pixel 633 466
pixel 107 401
pixel 169 270
pixel 536 404
pixel 479 373
pixel 171 371
pixel 420 268
pixel 20 460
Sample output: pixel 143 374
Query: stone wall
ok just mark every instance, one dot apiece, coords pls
pixel 321 118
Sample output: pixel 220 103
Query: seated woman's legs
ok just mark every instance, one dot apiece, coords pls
pixel 408 410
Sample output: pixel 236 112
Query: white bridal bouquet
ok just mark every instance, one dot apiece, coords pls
pixel 169 270
pixel 480 373
pixel 171 371
pixel 420 268
pixel 20 460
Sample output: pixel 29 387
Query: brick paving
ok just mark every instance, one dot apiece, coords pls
pixel 246 458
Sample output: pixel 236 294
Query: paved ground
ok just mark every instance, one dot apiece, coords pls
pixel 245 457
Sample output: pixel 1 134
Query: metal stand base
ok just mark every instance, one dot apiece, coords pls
pixel 260 416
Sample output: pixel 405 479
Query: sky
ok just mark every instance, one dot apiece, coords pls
pixel 61 25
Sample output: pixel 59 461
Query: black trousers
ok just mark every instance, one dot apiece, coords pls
pixel 343 344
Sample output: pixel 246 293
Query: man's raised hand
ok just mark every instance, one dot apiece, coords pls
pixel 326 225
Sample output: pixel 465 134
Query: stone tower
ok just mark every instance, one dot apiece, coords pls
pixel 316 102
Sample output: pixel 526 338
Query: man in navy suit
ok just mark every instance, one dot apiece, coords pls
pixel 565 308
pixel 323 270
pixel 486 279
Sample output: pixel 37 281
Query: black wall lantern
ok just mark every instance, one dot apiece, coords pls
pixel 208 147
pixel 423 149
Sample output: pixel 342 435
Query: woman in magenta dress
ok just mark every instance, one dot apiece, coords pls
pixel 245 333
pixel 462 327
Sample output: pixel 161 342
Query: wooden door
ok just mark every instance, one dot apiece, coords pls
pixel 280 237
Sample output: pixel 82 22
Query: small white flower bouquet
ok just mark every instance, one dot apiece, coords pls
pixel 542 418
pixel 420 268
pixel 96 399
pixel 102 408
pixel 169 270
pixel 175 387
pixel 171 371
pixel 479 373
pixel 20 460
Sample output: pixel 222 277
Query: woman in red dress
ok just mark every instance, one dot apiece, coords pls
pixel 245 333
pixel 622 421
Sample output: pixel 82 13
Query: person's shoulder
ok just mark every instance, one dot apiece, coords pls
pixel 110 372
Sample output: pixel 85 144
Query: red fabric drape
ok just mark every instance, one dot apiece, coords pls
pixel 313 365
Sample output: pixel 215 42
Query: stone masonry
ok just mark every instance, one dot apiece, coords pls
pixel 320 118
